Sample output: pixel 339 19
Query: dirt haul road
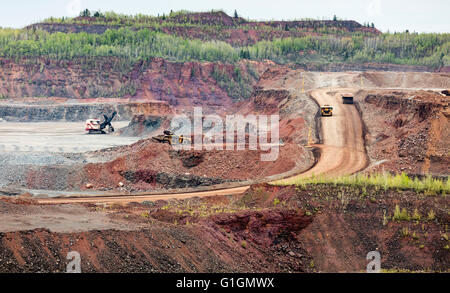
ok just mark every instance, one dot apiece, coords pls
pixel 342 152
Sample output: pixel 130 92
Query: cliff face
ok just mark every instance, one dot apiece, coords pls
pixel 80 111
pixel 178 84
pixel 211 85
pixel 408 131
pixel 51 78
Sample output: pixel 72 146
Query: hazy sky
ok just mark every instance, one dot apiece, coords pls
pixel 392 15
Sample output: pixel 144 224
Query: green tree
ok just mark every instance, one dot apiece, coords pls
pixel 98 14
pixel 130 45
pixel 235 14
pixel 85 13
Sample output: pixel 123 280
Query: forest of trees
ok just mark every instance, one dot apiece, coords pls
pixel 432 50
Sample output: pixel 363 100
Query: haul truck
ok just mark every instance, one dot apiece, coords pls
pixel 326 110
pixel 347 99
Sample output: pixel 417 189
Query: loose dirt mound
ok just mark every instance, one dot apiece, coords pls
pixel 170 168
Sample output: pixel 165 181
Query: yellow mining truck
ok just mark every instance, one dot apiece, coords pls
pixel 326 110
pixel 170 138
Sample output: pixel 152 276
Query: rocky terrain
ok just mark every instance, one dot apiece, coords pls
pixel 64 110
pixel 180 85
pixel 147 165
pixel 317 228
pixel 127 203
pixel 408 131
pixel 405 132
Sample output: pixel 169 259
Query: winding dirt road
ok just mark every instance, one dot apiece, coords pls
pixel 342 153
pixel 343 150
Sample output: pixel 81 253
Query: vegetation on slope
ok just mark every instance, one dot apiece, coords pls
pixel 432 50
pixel 124 43
pixel 216 20
pixel 427 185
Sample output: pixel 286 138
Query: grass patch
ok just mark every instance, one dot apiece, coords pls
pixel 427 185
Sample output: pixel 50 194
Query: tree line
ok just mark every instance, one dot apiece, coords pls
pixel 432 50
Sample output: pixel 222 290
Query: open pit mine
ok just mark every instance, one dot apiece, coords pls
pixel 95 163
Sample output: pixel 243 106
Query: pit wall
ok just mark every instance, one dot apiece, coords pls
pixel 180 84
pixel 80 112
pixel 406 131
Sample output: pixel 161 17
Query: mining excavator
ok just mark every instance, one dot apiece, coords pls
pixel 93 125
pixel 170 138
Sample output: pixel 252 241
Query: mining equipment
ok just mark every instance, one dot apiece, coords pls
pixel 347 99
pixel 326 110
pixel 170 138
pixel 93 125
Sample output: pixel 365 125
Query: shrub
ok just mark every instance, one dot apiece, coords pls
pixel 401 215
pixel 431 215
pixel 405 232
pixel 276 201
pixel 416 215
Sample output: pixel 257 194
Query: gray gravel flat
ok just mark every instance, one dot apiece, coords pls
pixel 60 137
pixel 29 146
